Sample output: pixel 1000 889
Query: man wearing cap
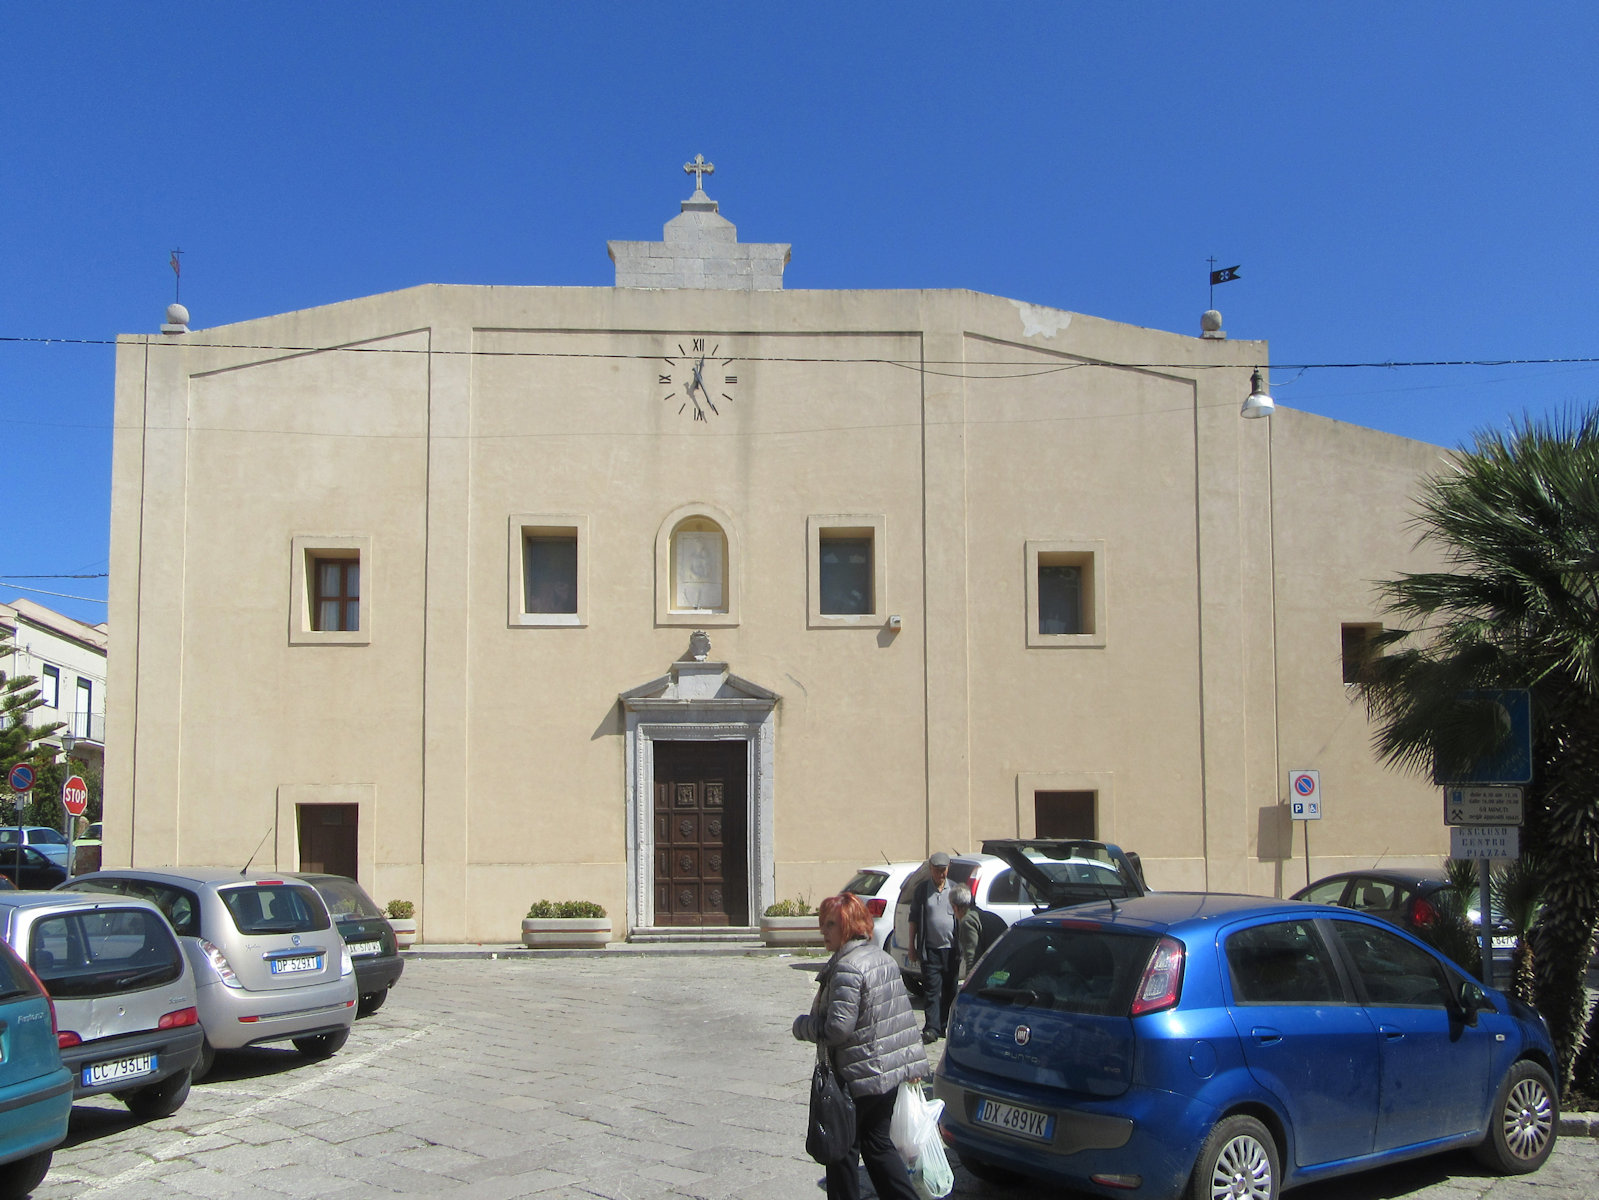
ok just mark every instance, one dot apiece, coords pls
pixel 933 944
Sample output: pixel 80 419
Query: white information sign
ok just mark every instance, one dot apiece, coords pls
pixel 1482 806
pixel 1304 795
pixel 1484 841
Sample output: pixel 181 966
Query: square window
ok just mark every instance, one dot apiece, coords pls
pixel 1064 815
pixel 1065 593
pixel 847 574
pixel 330 584
pixel 1358 650
pixel 546 580
pixel 845 568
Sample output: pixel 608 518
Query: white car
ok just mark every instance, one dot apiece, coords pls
pixel 1076 872
pixel 879 888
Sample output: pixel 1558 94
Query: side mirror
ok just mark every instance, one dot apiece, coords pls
pixel 1470 1002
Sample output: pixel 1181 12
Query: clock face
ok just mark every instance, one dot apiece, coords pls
pixel 699 378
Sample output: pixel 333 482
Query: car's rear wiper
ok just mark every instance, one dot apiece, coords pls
pixel 1009 995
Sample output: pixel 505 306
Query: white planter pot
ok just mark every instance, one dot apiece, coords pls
pixel 404 931
pixel 565 933
pixel 791 931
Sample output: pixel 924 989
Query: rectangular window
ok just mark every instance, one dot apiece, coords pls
pixel 83 714
pixel 1060 597
pixel 549 573
pixel 547 569
pixel 1064 815
pixel 846 575
pixel 1358 650
pixel 337 604
pixel 331 582
pixel 1065 584
pixel 50 686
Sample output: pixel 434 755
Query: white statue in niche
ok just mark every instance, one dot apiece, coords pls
pixel 699 571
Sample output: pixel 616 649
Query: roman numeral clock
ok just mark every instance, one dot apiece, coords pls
pixel 700 380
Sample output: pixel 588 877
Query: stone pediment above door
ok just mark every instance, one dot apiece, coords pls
pixel 697 682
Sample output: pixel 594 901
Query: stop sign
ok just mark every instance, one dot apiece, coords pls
pixel 75 796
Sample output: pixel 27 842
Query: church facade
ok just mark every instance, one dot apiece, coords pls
pixel 693 593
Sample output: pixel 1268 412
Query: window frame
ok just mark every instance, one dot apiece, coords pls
pixel 1089 556
pixel 820 527
pixel 304 550
pixel 50 685
pixel 519 529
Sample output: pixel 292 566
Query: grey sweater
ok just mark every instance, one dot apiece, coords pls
pixel 864 1017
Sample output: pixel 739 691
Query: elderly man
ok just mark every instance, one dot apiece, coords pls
pixel 975 928
pixel 933 944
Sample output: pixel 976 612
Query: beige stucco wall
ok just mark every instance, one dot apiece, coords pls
pixel 487 756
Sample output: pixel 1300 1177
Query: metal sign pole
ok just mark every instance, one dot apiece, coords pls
pixel 1485 915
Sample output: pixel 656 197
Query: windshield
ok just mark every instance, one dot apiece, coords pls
pixel 275 908
pixel 867 883
pixel 1068 969
pixel 346 900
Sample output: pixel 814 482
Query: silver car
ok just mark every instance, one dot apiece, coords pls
pixel 124 993
pixel 269 964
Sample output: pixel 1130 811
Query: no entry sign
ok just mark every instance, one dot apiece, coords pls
pixel 75 796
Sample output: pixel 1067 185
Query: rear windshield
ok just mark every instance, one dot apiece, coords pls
pixel 275 908
pixel 346 900
pixel 867 883
pixel 1067 969
pixel 103 952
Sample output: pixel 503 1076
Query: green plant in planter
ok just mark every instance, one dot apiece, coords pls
pixel 797 907
pixel 548 909
pixel 400 910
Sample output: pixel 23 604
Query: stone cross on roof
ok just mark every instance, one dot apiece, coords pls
pixel 699 168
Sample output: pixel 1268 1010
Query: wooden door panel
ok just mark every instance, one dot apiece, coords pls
pixel 700 834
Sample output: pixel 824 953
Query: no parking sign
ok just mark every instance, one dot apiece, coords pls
pixel 1304 795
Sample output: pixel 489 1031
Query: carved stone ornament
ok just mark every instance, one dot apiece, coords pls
pixel 699 645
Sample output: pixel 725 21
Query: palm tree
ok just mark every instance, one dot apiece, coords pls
pixel 1515 605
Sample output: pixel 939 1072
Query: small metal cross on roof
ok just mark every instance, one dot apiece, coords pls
pixel 699 168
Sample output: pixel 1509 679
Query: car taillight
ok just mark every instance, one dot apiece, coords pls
pixel 67 1038
pixel 219 964
pixel 178 1018
pixel 1422 914
pixel 1163 979
pixel 971 883
pixel 877 906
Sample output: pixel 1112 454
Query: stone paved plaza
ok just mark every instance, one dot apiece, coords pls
pixel 618 1075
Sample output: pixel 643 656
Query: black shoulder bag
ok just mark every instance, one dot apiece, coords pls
pixel 830 1132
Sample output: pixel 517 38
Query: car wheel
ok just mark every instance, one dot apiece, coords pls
pixel 1238 1159
pixel 371 1002
pixel 203 1064
pixel 1521 1131
pixel 986 1171
pixel 322 1045
pixel 159 1099
pixel 19 1178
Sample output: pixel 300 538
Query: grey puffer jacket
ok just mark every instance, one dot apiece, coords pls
pixel 863 1015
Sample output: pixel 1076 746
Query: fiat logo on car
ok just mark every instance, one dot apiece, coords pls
pixel 1023 1035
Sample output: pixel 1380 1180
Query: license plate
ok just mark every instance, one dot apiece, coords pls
pixel 306 962
pixel 1023 1122
pixel 361 949
pixel 117 1069
pixel 1505 943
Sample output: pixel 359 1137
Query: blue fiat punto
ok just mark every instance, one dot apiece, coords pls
pixel 1216 1046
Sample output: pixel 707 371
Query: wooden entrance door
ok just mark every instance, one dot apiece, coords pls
pixel 701 844
pixel 327 838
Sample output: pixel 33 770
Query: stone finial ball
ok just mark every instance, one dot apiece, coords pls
pixel 1210 320
pixel 177 315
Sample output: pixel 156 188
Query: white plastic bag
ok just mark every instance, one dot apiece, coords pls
pixel 914 1132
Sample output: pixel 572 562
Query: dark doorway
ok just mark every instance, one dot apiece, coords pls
pixel 1064 815
pixel 701 843
pixel 327 838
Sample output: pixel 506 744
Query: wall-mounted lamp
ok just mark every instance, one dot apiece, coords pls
pixel 1259 403
pixel 894 623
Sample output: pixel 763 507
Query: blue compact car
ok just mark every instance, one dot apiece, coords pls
pixel 1214 1046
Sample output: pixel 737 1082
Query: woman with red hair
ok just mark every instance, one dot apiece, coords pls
pixel 862 1017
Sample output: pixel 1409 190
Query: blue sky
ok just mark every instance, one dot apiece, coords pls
pixel 1399 183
